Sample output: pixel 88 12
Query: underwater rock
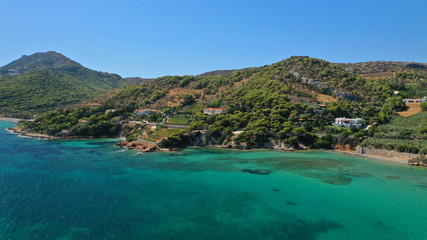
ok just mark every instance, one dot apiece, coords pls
pixel 257 171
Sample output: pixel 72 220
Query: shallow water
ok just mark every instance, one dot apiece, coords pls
pixel 92 190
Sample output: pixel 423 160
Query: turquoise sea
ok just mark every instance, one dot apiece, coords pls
pixel 53 189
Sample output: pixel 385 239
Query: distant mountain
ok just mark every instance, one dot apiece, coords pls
pixel 382 66
pixel 137 80
pixel 37 61
pixel 44 81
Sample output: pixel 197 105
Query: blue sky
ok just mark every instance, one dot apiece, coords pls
pixel 157 38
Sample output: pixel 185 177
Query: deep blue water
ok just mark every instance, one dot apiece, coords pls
pixel 91 190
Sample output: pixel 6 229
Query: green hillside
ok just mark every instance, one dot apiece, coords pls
pixel 404 134
pixel 409 78
pixel 277 102
pixel 45 81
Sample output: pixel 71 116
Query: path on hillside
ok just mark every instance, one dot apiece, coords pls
pixel 168 125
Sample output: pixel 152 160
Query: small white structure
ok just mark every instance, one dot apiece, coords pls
pixel 348 122
pixel 141 112
pixel 211 111
pixel 420 100
pixel 109 110
pixel 137 122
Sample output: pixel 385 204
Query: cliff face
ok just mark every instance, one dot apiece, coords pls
pixel 199 138
pixel 399 156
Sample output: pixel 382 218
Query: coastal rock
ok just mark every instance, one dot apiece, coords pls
pixel 346 148
pixel 199 138
pixel 149 149
pixel 420 160
pixel 144 146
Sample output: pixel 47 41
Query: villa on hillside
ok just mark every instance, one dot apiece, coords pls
pixel 144 112
pixel 93 105
pixel 420 100
pixel 211 111
pixel 348 122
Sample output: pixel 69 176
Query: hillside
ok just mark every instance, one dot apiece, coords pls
pixel 44 81
pixel 410 78
pixel 302 79
pixel 274 105
pixel 404 134
pixel 137 80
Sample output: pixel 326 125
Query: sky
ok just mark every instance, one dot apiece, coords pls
pixel 188 37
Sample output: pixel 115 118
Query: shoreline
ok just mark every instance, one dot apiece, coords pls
pixel 371 156
pixel 15 120
pixel 21 133
pixel 15 130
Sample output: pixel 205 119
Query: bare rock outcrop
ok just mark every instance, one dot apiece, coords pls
pixel 318 84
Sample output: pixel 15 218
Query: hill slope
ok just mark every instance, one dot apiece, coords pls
pixel 280 105
pixel 44 81
pixel 409 78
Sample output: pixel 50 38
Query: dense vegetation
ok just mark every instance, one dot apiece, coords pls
pixel 82 122
pixel 45 81
pixel 263 104
pixel 404 134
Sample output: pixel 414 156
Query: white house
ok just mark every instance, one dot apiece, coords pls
pixel 211 111
pixel 141 112
pixel 348 122
pixel 420 100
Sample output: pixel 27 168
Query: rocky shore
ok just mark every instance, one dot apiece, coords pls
pixel 199 139
pixel 141 145
pixel 21 132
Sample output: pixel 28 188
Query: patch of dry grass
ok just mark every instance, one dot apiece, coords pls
pixel 413 108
